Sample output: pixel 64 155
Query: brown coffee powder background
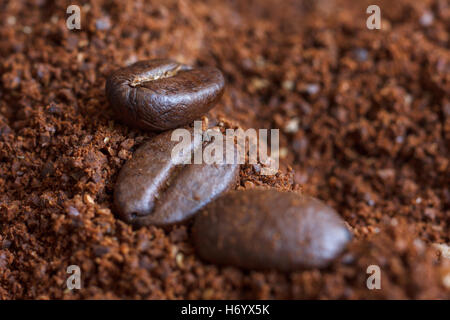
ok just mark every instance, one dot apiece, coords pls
pixel 365 126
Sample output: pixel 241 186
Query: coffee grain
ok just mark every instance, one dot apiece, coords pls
pixel 269 229
pixel 154 188
pixel 162 94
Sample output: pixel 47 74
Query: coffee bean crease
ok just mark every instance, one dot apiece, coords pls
pixel 162 94
pixel 155 188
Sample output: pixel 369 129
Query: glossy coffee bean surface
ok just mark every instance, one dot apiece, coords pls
pixel 162 94
pixel 153 188
pixel 269 229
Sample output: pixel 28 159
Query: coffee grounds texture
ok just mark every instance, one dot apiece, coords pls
pixel 365 126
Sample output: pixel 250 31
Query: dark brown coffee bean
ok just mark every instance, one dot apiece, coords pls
pixel 154 189
pixel 162 94
pixel 265 229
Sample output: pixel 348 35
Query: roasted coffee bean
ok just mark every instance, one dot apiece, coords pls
pixel 269 229
pixel 162 94
pixel 153 188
